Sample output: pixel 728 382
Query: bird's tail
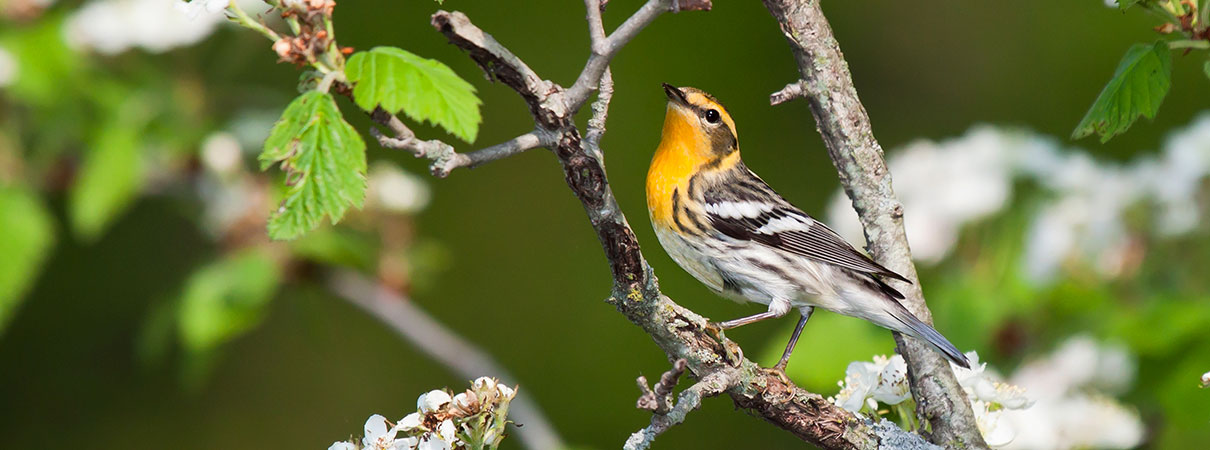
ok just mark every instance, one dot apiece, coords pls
pixel 928 334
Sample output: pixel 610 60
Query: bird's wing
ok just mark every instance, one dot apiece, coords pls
pixel 774 222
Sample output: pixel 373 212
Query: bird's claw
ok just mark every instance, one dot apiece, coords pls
pixel 731 351
pixel 715 332
pixel 780 371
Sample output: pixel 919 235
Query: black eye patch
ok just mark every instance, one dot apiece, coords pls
pixel 712 116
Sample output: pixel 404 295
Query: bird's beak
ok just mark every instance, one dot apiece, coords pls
pixel 674 94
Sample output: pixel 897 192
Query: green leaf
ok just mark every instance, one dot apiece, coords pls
pixel 1206 69
pixel 1126 4
pixel 111 176
pixel 225 299
pixel 26 234
pixel 1137 88
pixel 424 89
pixel 339 247
pixel 47 69
pixel 325 164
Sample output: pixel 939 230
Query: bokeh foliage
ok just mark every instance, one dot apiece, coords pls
pixel 101 250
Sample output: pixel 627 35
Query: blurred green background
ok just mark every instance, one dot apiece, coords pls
pixel 519 271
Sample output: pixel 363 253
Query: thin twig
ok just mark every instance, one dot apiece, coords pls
pixel 445 346
pixel 711 385
pixel 845 127
pixel 679 332
pixel 444 158
pixel 603 50
pixel 790 92
pixel 659 399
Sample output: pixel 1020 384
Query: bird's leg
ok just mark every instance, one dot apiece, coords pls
pixel 776 309
pixel 750 319
pixel 802 322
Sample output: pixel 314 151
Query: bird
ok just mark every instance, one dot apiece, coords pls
pixel 731 231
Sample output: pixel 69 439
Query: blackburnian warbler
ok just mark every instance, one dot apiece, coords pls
pixel 731 231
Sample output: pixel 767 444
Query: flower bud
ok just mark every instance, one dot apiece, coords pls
pixel 433 401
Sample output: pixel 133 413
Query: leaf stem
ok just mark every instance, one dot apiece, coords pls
pixel 1189 43
pixel 240 17
pixel 1175 8
pixel 1162 12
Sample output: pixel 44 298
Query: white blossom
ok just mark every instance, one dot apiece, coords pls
pixel 1178 178
pixel 462 400
pixel 483 382
pixel 947 184
pixel 195 8
pixel 409 422
pixel 996 432
pixel 432 401
pixel 221 153
pixel 393 190
pixel 892 387
pixel 379 435
pixel 342 445
pixel 8 68
pixel 860 378
pixel 505 391
pixel 884 380
pixel 114 26
pixel 1206 379
pixel 1078 362
pixel 1071 409
pixel 435 424
pixel 942 186
pixel 443 438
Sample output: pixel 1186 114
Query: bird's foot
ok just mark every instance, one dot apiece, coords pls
pixel 731 351
pixel 780 371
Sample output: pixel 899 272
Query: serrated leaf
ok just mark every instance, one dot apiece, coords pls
pixel 26 234
pixel 226 299
pixel 1137 89
pixel 110 178
pixel 325 164
pixel 424 89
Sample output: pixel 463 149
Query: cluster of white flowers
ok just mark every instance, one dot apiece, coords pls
pixel 231 193
pixel 228 190
pixel 475 418
pixel 390 189
pixel 884 381
pixel 114 26
pixel 1074 409
pixel 8 68
pixel 944 185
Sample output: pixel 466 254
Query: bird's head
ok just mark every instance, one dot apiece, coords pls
pixel 698 124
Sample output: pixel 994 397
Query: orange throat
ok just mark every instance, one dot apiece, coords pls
pixel 673 164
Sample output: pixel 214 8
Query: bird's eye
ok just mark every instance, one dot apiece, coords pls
pixel 712 116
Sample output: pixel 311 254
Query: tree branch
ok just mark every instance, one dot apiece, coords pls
pixel 600 113
pixel 845 127
pixel 658 398
pixel 711 385
pixel 445 346
pixel 680 333
pixel 604 48
pixel 444 158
